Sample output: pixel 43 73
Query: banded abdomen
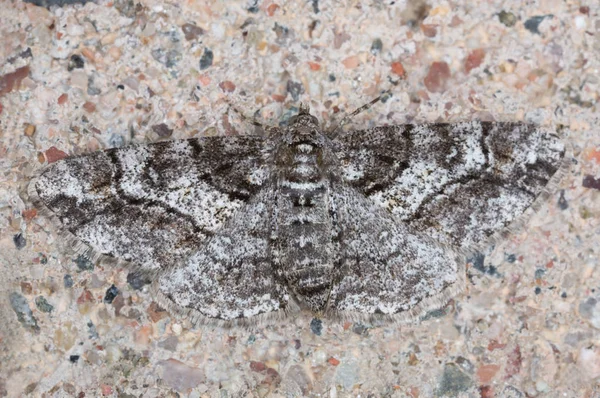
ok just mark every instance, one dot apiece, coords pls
pixel 303 223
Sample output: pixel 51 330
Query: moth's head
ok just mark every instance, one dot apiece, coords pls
pixel 304 126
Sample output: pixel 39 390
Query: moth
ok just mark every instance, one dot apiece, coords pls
pixel 365 224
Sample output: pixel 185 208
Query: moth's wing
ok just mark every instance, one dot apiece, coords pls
pixel 231 279
pixel 152 205
pixel 460 183
pixel 386 268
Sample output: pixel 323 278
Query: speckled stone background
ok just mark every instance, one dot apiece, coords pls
pixel 86 77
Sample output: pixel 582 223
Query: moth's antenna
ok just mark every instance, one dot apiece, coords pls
pixel 347 118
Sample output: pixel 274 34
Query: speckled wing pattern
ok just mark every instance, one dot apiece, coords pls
pixel 231 278
pixel 152 205
pixel 367 224
pixel 460 183
pixel 387 267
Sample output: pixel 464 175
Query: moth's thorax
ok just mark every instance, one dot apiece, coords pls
pixel 303 219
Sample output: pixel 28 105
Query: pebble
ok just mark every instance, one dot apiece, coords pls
pixel 376 46
pixel 24 315
pixel 398 69
pixel 110 295
pixel 591 182
pixel 43 305
pixel 474 59
pixel 507 18
pixel 562 201
pixel 19 241
pixel 162 130
pixel 486 373
pixel 180 376
pixel 54 154
pixel 26 288
pixel 453 381
pixel 351 62
pixel 207 59
pixel 13 80
pixel 437 77
pixel 83 263
pixel 316 326
pixel 29 130
pixel 227 86
pixel 191 32
pixel 533 23
pixel 590 310
pixel 75 62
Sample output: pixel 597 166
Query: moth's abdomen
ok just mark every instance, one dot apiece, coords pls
pixel 303 224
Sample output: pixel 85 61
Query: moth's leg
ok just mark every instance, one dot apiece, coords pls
pixel 337 128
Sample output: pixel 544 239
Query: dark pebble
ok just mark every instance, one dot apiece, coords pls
pixel 564 295
pixel 453 381
pixel 68 281
pixel 42 304
pixel 59 3
pixel 562 202
pixel 110 295
pixel 385 97
pixel 295 89
pixel 207 59
pixel 84 263
pixel 376 46
pixel 162 130
pixel 253 7
pixel 507 18
pixel 538 290
pixel 478 262
pixel 251 339
pixel 331 77
pixel 74 358
pixel 19 241
pixel 191 32
pixel 92 330
pixel 23 54
pixel 282 33
pixel 511 258
pixel 315 6
pixel 137 280
pixel 588 182
pixel 533 23
pixel 316 326
pixel 539 273
pixel 24 314
pixel 360 329
pixel 75 62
